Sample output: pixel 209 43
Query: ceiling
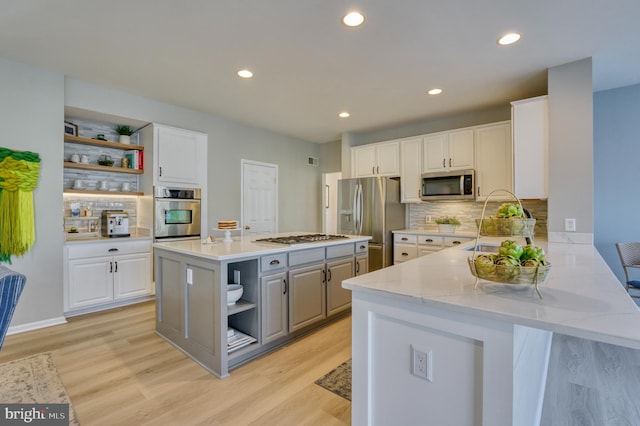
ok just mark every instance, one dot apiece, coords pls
pixel 308 67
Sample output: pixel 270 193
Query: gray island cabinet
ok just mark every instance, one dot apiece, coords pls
pixel 287 292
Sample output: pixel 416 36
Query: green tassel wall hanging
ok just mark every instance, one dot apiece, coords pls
pixel 19 171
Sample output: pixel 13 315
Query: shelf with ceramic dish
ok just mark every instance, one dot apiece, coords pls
pixel 101 143
pixel 98 192
pixel 97 167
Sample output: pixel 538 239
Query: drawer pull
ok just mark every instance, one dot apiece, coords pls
pixel 111 250
pixel 405 254
pixel 274 262
pixel 404 239
pixel 363 247
pixel 456 242
pixel 286 287
pixel 429 240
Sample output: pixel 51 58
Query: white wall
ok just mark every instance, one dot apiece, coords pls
pixel 31 113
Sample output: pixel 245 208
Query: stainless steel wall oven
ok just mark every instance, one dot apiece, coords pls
pixel 177 213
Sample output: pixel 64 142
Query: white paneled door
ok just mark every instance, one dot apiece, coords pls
pixel 259 197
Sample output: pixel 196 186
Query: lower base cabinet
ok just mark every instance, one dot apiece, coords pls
pixel 101 275
pixel 275 307
pixel 307 296
pixel 338 298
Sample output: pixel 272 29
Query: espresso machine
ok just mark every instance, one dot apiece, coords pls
pixel 115 223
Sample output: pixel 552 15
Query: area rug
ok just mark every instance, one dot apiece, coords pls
pixel 338 380
pixel 33 380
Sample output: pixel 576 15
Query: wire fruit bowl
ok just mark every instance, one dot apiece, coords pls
pixel 511 274
pixel 506 227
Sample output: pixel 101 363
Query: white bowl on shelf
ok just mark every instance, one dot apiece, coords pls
pixel 234 293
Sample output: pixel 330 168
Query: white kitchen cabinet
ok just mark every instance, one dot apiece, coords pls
pixel 179 156
pixel 101 275
pixel 379 159
pixel 494 164
pixel 448 151
pixel 410 170
pixel 407 246
pixel 529 119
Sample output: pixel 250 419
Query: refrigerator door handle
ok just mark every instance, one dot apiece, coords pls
pixel 360 209
pixel 355 210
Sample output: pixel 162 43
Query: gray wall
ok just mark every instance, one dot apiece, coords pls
pixel 229 142
pixel 616 163
pixel 31 113
pixel 571 146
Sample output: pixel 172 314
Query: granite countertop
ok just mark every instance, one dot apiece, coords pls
pixel 246 246
pixel 581 297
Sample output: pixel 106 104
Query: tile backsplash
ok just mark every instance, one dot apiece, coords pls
pixel 467 212
pixel 97 205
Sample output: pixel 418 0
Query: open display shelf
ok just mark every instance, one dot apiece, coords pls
pixel 101 143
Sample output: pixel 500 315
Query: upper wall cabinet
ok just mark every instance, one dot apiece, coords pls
pixel 448 151
pixel 179 156
pixel 530 147
pixel 410 169
pixel 380 159
pixel 493 160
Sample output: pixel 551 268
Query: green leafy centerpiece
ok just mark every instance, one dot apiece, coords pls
pixel 447 224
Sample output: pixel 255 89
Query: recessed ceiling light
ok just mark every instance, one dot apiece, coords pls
pixel 353 19
pixel 435 91
pixel 344 114
pixel 245 73
pixel 508 38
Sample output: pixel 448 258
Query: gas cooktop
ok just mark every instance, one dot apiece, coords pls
pixel 300 239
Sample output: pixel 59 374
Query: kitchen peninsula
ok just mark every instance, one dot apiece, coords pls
pixel 288 290
pixel 474 356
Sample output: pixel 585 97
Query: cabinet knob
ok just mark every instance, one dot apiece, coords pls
pixel 247 227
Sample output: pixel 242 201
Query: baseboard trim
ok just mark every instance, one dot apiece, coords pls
pixel 36 325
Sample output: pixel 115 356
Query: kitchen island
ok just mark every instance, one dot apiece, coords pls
pixel 474 356
pixel 288 290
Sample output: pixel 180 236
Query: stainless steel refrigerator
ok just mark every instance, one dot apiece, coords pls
pixel 371 206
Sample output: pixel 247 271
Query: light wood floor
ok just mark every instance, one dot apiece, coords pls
pixel 118 372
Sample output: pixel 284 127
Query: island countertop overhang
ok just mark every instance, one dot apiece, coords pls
pixel 581 296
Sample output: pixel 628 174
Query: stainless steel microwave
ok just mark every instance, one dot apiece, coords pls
pixel 456 185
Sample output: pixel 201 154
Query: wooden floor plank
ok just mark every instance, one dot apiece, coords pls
pixel 117 371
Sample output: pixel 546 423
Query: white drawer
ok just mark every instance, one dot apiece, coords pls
pixel 273 262
pixel 455 241
pixel 107 248
pixel 430 240
pixel 362 247
pixel 402 252
pixel 405 238
pixel 425 250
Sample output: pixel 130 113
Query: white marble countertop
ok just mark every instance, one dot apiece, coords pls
pixel 246 246
pixel 434 231
pixel 581 296
pixel 101 239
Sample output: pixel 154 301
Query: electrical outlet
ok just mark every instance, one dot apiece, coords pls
pixel 421 365
pixel 569 225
